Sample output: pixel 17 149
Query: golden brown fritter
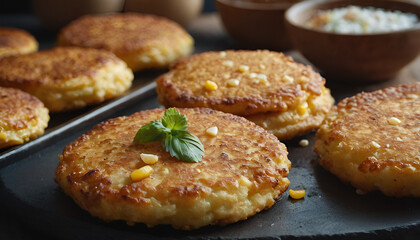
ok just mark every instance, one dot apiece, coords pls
pixel 287 82
pixel 141 40
pixel 294 122
pixel 243 171
pixel 16 41
pixel 66 78
pixel 22 117
pixel 372 140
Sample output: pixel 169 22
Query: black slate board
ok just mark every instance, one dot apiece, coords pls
pixel 330 207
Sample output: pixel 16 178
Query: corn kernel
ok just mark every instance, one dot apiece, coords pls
pixel 212 131
pixel 262 76
pixel 297 194
pixel 304 142
pixel 141 173
pixel 210 86
pixel 263 81
pixel 375 144
pixel 149 158
pixel 412 96
pixel 243 181
pixel 262 66
pixel 394 121
pixel 228 63
pixel 303 79
pixel 34 122
pixel 398 139
pixel 288 79
pixel 243 68
pixel 2 136
pixel 232 82
pixel 253 75
pixel 302 108
pixel 222 54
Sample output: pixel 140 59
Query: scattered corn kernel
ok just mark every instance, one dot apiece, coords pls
pixel 2 136
pixel 222 54
pixel 252 75
pixel 297 194
pixel 375 144
pixel 228 63
pixel 302 108
pixel 243 68
pixel 210 86
pixel 165 171
pixel 398 139
pixel 304 142
pixel 412 96
pixel 394 121
pixel 141 173
pixel 288 79
pixel 232 82
pixel 226 75
pixel 149 158
pixel 212 131
pixel 262 66
pixel 263 81
pixel 243 181
pixel 262 76
pixel 303 79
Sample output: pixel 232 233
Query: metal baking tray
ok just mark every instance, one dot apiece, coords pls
pixel 329 210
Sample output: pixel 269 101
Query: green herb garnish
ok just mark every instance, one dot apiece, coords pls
pixel 176 140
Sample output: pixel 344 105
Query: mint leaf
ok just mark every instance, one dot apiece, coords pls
pixel 151 132
pixel 174 120
pixel 184 145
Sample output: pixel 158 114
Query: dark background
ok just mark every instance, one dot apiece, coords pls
pixel 25 6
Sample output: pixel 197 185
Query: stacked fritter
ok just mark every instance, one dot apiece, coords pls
pixel 269 88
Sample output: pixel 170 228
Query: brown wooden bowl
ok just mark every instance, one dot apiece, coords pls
pixel 256 24
pixel 355 57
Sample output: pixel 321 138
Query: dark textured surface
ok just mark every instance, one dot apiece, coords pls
pixel 33 206
pixel 329 208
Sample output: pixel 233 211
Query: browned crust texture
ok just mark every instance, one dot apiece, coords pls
pixel 96 168
pixel 183 86
pixel 358 143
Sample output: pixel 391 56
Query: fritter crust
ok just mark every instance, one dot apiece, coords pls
pixel 22 117
pixel 16 41
pixel 66 78
pixel 243 171
pixel 141 40
pixel 183 85
pixel 358 142
pixel 295 122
